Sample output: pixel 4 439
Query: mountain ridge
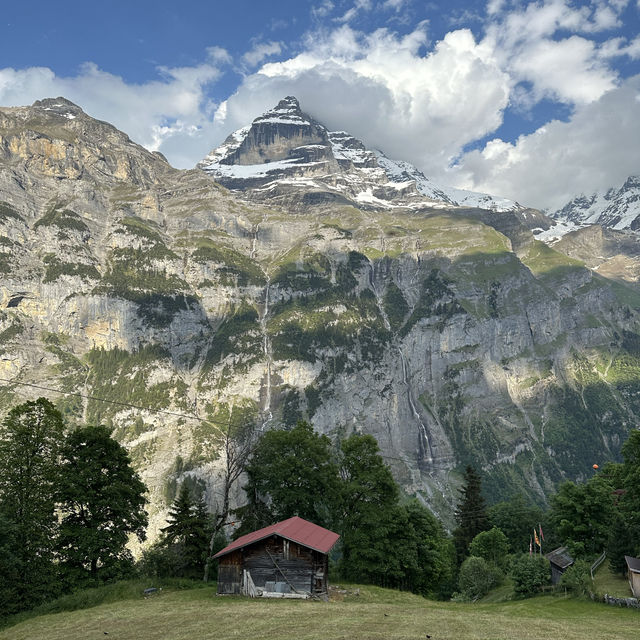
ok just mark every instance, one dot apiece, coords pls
pixel 450 333
pixel 323 157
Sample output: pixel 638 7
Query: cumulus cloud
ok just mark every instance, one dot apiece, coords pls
pixel 597 148
pixel 414 98
pixel 531 44
pixel 172 114
pixel 377 86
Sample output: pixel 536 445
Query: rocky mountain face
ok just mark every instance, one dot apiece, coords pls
pixel 617 208
pixel 326 285
pixel 287 155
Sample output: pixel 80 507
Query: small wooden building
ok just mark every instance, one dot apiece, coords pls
pixel 286 559
pixel 560 561
pixel 633 571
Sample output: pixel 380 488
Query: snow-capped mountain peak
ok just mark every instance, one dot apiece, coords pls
pixel 286 148
pixel 617 208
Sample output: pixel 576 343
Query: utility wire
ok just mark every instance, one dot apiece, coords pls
pixel 116 402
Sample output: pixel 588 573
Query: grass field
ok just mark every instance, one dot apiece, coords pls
pixel 607 582
pixel 374 614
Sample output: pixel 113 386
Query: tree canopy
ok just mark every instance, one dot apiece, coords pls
pixel 30 439
pixel 471 513
pixel 102 501
pixel 291 473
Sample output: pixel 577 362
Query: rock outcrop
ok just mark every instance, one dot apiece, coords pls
pixel 323 288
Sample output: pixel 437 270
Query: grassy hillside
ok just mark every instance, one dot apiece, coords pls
pixel 375 613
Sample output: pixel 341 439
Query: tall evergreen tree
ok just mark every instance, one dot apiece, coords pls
pixel 102 502
pixel 179 518
pixel 471 513
pixel 188 531
pixel 30 438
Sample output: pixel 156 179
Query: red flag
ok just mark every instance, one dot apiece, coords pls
pixel 541 534
pixel 535 537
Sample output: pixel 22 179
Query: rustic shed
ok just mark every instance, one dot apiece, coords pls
pixel 633 570
pixel 286 559
pixel 560 560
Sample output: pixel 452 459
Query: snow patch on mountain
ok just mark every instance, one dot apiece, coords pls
pixel 340 162
pixel 287 111
pixel 231 144
pixel 617 208
pixel 398 171
pixel 557 231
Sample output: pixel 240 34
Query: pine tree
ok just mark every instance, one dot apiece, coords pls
pixel 187 532
pixel 471 514
pixel 179 518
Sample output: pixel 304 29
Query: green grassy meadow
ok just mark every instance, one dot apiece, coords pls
pixel 375 613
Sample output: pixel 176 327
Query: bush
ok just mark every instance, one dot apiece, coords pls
pixel 493 546
pixel 577 578
pixel 164 562
pixel 477 577
pixel 530 574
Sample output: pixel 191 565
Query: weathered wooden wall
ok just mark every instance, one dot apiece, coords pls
pixel 230 573
pixel 278 560
pixel 275 560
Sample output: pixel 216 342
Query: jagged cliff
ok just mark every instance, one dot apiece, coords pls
pixel 329 284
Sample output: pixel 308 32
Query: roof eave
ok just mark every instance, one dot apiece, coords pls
pixel 274 533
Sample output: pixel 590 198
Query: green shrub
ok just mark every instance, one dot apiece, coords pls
pixel 530 574
pixel 477 577
pixel 491 545
pixel 577 578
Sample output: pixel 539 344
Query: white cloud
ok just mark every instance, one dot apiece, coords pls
pixel 260 51
pixel 495 6
pixel 171 114
pixel 358 6
pixel 420 108
pixel 322 10
pixel 531 45
pixel 394 5
pixel 568 70
pixel 597 148
pixel 617 47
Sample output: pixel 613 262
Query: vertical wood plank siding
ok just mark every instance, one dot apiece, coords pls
pixel 275 560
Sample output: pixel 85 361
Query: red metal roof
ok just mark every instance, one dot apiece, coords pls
pixel 295 529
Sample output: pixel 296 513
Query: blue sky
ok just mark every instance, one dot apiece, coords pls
pixel 537 101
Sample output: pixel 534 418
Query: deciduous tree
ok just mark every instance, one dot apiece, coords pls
pixel 30 439
pixel 102 502
pixel 290 473
pixel 491 545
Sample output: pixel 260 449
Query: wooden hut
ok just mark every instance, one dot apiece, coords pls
pixel 285 560
pixel 633 571
pixel 560 561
